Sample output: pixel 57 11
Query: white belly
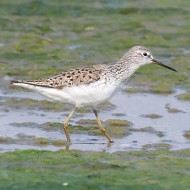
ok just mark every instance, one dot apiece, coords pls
pixel 78 95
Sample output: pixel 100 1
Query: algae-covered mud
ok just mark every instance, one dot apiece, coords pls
pixel 80 170
pixel 148 118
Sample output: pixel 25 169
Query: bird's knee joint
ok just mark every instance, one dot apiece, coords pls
pixel 65 125
pixel 103 130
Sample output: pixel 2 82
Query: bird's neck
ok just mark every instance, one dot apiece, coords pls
pixel 123 69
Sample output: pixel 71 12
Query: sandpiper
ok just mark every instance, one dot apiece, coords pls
pixel 91 85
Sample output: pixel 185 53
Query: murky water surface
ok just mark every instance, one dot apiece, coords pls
pixel 137 108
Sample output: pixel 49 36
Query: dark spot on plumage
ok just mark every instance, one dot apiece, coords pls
pixel 59 87
pixel 97 78
pixel 68 76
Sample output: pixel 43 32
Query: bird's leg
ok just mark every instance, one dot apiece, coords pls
pixel 101 127
pixel 66 123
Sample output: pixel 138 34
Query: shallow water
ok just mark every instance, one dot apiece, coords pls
pixel 136 108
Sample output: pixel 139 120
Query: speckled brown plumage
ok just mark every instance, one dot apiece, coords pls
pixel 73 77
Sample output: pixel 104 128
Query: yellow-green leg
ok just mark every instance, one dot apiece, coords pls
pixel 101 127
pixel 66 124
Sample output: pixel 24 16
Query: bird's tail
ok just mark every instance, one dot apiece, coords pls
pixel 29 84
pixel 15 82
pixel 22 83
pixel 47 91
pixel 25 84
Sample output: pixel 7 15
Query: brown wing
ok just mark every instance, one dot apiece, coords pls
pixel 73 77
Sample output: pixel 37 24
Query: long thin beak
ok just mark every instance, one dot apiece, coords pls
pixel 161 64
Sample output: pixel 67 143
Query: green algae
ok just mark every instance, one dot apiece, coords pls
pixel 118 114
pixel 103 106
pixel 118 123
pixel 161 88
pixel 148 129
pixel 31 169
pixel 47 126
pixel 117 128
pixel 156 146
pixel 5 140
pixel 31 104
pixel 187 134
pixel 152 116
pixel 87 122
pixel 81 129
pixel 115 132
pixel 41 142
pixel 136 90
pixel 184 96
pixel 59 143
pixel 23 139
pixel 106 106
pixel 173 110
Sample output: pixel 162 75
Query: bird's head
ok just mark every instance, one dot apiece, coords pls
pixel 142 56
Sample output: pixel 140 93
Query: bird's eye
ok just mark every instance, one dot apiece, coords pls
pixel 145 54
